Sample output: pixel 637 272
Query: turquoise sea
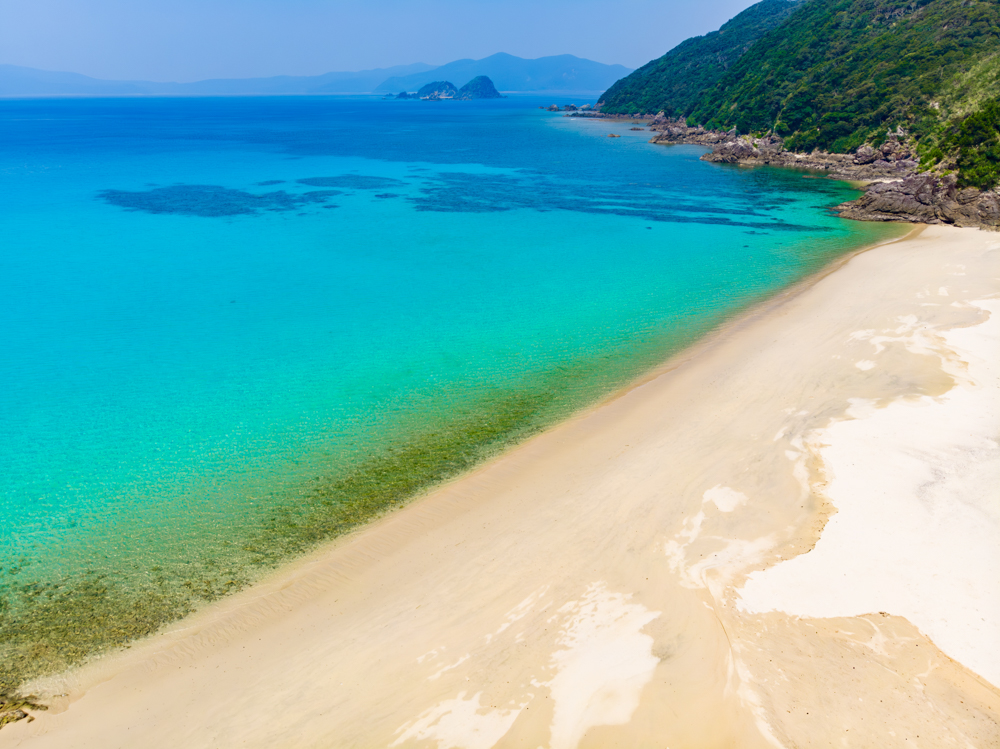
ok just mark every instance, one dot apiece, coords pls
pixel 234 328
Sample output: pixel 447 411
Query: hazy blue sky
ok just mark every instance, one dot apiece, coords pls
pixel 186 40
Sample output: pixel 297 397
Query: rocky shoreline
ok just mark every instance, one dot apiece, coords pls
pixel 894 189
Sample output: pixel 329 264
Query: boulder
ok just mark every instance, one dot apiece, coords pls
pixel 733 152
pixel 865 155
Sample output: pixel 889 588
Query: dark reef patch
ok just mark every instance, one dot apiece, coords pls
pixel 462 192
pixel 388 195
pixel 211 201
pixel 269 182
pixel 353 182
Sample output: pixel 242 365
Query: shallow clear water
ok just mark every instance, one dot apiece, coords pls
pixel 222 318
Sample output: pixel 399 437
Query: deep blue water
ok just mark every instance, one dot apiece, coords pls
pixel 207 304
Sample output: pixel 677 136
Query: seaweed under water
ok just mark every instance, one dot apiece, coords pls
pixel 49 626
pixel 46 627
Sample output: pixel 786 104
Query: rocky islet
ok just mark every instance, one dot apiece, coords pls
pixel 480 87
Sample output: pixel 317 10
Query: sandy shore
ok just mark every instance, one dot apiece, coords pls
pixel 787 537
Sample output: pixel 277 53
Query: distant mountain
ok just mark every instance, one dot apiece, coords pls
pixel 19 81
pixel 509 73
pixel 673 83
pixel 561 73
pixel 361 82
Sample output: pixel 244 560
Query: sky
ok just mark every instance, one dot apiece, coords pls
pixel 187 40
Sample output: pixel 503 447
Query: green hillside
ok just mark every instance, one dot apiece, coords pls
pixel 837 71
pixel 835 74
pixel 973 145
pixel 673 83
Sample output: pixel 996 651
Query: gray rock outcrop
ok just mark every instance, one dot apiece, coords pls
pixel 925 199
pixel 896 191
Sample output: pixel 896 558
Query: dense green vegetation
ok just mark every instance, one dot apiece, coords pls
pixel 975 141
pixel 673 83
pixel 839 73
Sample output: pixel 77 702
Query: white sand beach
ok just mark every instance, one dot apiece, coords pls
pixel 787 536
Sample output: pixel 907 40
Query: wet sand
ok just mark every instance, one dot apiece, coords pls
pixel 785 537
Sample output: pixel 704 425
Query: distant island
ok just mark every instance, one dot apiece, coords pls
pixel 509 73
pixel 904 96
pixel 559 73
pixel 480 87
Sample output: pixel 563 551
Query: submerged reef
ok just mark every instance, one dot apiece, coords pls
pixel 465 192
pixel 211 201
pixel 353 182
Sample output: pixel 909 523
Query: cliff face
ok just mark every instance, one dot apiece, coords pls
pixel 479 87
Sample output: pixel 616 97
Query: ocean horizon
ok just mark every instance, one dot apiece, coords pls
pixel 235 328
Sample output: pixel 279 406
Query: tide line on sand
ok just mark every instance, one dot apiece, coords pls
pixel 916 485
